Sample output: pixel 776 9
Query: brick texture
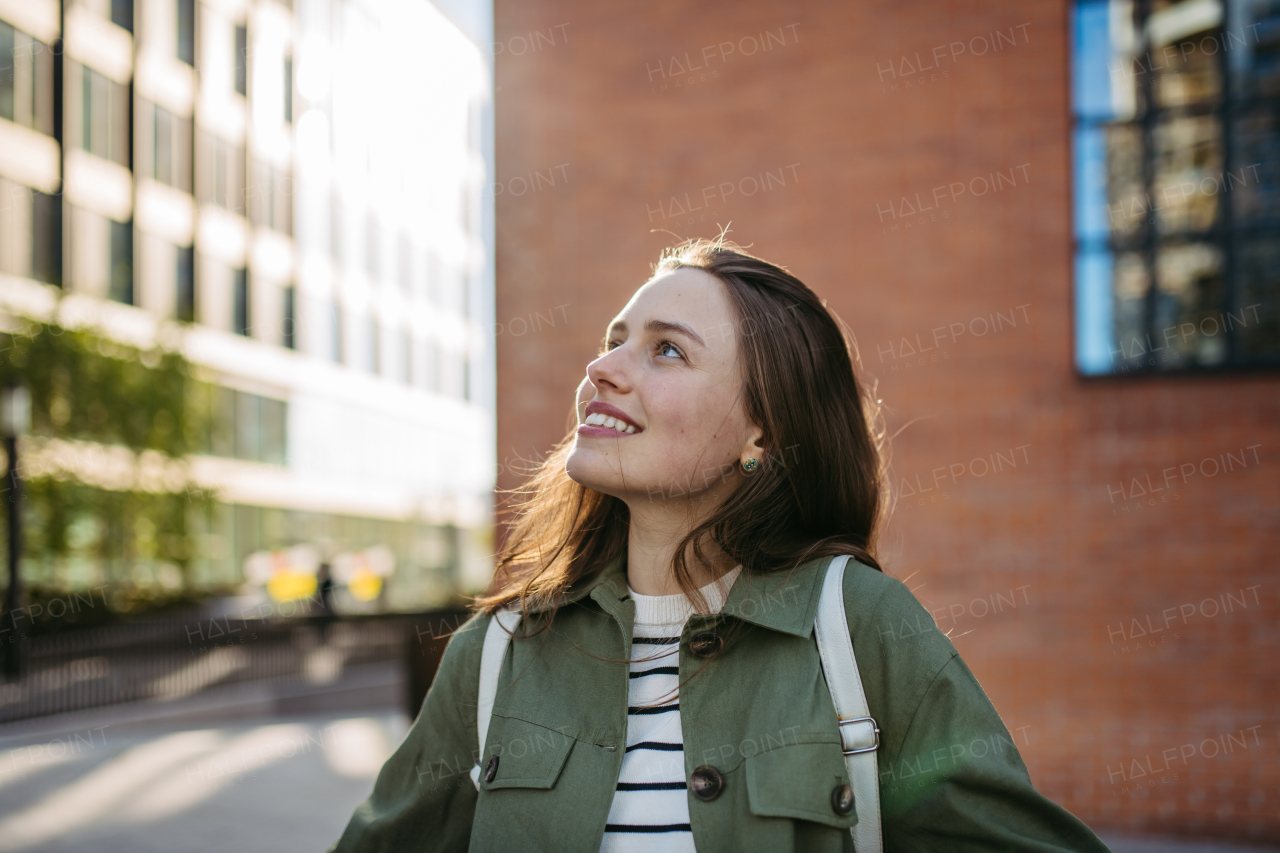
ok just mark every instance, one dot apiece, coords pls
pixel 1029 519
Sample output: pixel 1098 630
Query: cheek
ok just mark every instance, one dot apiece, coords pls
pixel 695 421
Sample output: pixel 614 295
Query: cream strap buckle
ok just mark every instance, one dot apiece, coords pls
pixel 496 639
pixel 859 734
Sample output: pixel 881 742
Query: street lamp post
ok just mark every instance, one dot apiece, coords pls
pixel 15 421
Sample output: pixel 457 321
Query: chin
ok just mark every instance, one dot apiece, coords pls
pixel 596 471
pixel 587 471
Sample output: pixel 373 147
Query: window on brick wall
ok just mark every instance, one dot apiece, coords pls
pixel 1176 153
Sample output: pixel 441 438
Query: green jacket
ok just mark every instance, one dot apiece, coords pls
pixel 951 778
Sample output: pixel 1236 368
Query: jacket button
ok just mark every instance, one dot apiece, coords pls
pixel 706 783
pixel 491 769
pixel 842 799
pixel 705 644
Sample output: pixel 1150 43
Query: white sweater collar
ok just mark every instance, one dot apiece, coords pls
pixel 675 610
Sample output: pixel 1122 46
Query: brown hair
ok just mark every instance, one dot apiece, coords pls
pixel 819 491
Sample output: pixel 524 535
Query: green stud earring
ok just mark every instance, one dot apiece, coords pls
pixel 750 465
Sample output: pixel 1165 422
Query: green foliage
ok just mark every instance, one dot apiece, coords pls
pixel 87 388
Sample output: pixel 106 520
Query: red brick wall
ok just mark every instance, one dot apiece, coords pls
pixel 1052 530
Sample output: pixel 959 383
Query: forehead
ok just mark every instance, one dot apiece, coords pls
pixel 687 294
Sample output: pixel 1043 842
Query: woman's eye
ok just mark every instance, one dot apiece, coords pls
pixel 667 345
pixel 608 346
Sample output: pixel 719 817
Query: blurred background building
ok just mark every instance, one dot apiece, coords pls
pixel 294 288
pixel 293 199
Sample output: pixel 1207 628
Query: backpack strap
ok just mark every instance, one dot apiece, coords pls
pixel 859 733
pixel 496 639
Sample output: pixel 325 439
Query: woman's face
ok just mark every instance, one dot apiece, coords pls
pixel 669 370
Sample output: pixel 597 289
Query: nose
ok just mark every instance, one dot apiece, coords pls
pixel 610 371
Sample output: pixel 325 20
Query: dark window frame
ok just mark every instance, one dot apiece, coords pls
pixel 1146 358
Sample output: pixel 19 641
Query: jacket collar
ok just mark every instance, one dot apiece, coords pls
pixel 607 587
pixel 785 601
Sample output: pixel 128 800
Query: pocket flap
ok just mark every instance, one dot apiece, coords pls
pixel 799 782
pixel 529 755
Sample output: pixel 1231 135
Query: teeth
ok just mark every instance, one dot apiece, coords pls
pixel 603 420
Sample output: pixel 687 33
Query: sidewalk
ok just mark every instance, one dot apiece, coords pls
pixel 252 767
pixel 272 767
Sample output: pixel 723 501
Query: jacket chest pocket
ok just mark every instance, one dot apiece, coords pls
pixel 804 781
pixel 520 754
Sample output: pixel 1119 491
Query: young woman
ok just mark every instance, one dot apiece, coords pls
pixel 663 690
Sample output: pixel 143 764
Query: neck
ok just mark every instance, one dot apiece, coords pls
pixel 655 531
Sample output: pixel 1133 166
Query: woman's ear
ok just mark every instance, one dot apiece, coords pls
pixel 754 448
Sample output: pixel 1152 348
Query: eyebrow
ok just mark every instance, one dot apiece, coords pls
pixel 661 326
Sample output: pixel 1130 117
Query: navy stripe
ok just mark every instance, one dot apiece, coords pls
pixel 657 670
pixel 652 786
pixel 653 744
pixel 655 641
pixel 660 709
pixel 629 827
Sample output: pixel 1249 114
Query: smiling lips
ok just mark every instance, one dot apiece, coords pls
pixel 601 416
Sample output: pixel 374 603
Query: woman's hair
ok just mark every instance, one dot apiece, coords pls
pixel 818 492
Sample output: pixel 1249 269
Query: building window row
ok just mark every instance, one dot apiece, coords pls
pixel 26 85
pixel 104 116
pixel 30 233
pixel 220 175
pixel 171 152
pixel 120 272
pixel 248 426
pixel 415 272
pixel 270 193
pixel 390 350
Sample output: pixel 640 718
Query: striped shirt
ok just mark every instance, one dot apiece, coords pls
pixel 650 810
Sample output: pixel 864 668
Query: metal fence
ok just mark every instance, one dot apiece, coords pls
pixel 168 659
